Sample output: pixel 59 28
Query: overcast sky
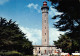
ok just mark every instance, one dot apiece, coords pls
pixel 27 13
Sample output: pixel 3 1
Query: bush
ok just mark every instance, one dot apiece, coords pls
pixel 10 53
pixel 13 53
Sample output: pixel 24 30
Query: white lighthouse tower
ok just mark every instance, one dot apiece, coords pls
pixel 45 27
pixel 45 48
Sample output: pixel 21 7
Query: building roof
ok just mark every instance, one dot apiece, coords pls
pixel 43 46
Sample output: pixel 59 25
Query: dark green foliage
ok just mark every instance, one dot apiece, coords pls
pixel 11 53
pixel 66 44
pixel 70 19
pixel 12 38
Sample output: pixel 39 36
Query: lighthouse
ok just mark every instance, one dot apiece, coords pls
pixel 45 27
pixel 45 49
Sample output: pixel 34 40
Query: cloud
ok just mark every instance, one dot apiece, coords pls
pixel 53 12
pixel 53 35
pixel 34 6
pixel 3 1
pixel 35 35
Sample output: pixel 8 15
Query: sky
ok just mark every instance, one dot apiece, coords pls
pixel 28 15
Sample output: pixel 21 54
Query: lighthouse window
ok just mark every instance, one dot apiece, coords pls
pixel 39 51
pixel 45 33
pixel 39 47
pixel 45 40
pixel 45 27
pixel 45 21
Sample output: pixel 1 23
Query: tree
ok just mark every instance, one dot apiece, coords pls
pixel 12 38
pixel 66 44
pixel 70 19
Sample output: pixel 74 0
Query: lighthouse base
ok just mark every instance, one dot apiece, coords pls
pixel 45 50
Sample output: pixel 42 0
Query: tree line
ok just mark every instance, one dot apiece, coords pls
pixel 12 39
pixel 69 22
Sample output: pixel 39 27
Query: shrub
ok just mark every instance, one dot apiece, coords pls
pixel 10 53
